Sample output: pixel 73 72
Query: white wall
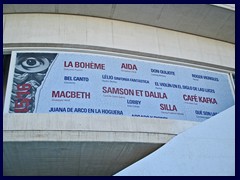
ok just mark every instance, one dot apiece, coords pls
pixel 83 30
pixel 207 149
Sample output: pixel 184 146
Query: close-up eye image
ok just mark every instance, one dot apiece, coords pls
pixel 32 64
pixel 28 64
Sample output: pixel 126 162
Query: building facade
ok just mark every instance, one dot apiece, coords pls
pixel 200 38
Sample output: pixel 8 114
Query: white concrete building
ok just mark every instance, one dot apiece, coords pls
pixel 200 36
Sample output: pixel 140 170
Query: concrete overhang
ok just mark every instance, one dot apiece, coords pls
pixel 216 21
pixel 72 144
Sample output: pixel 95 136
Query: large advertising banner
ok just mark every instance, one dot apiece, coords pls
pixel 47 82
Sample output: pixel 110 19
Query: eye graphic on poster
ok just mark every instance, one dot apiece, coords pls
pixel 64 82
pixel 29 73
